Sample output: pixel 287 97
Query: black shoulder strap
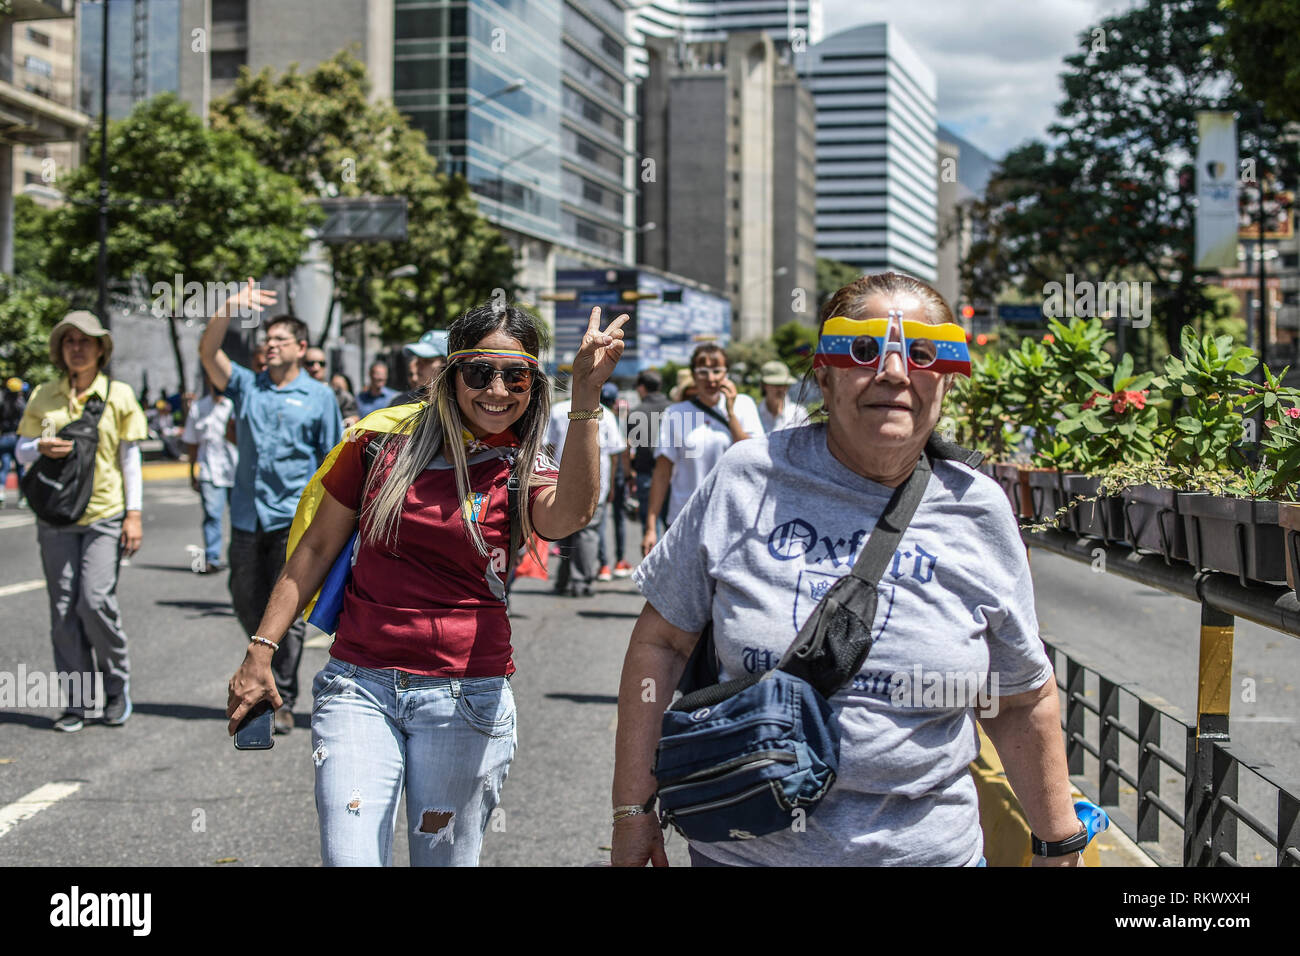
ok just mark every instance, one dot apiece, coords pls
pixel 836 638
pixel 516 529
pixel 713 413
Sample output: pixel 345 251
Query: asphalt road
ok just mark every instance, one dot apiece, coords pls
pixel 169 789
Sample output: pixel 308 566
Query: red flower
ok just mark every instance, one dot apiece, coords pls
pixel 1293 412
pixel 1091 402
pixel 1139 399
pixel 1121 402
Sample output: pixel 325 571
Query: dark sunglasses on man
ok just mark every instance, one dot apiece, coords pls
pixel 479 375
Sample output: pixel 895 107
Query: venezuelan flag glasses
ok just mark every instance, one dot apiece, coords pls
pixel 853 343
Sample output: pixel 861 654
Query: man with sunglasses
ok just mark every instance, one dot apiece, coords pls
pixel 314 362
pixel 287 423
pixel 695 433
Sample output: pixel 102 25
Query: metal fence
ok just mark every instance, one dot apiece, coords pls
pixel 1205 758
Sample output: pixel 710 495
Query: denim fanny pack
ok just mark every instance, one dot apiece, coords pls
pixel 738 760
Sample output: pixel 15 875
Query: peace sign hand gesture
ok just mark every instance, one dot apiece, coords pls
pixel 595 361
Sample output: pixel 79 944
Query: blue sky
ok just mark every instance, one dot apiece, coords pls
pixel 998 62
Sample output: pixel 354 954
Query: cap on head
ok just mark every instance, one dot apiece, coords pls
pixel 88 324
pixel 608 393
pixel 431 344
pixel 776 373
pixel 14 384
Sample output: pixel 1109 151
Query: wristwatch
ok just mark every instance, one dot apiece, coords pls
pixel 1074 844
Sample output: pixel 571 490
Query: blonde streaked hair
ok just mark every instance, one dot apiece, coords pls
pixel 403 455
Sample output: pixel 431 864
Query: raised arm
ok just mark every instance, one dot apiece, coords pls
pixel 215 361
pixel 568 507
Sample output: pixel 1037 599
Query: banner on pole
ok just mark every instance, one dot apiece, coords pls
pixel 1216 191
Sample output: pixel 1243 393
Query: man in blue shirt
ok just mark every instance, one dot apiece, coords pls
pixel 378 395
pixel 287 423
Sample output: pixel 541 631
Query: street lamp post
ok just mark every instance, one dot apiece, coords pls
pixel 101 268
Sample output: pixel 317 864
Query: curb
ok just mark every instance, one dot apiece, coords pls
pixel 165 470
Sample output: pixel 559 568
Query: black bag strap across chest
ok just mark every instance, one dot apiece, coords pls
pixel 836 638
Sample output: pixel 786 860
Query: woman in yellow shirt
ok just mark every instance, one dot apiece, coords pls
pixel 81 560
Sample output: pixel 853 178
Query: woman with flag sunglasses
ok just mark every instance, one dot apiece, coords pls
pixel 416 695
pixel 777 523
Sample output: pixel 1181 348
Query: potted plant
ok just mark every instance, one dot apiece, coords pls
pixel 1200 426
pixel 1266 513
pixel 1114 426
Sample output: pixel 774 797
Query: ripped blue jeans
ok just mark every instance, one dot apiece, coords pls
pixel 447 741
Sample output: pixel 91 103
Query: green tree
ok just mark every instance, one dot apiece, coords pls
pixel 1113 197
pixel 186 200
pixel 1259 45
pixel 322 129
pixel 26 316
pixel 833 276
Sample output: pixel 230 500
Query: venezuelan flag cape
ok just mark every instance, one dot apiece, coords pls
pixel 383 421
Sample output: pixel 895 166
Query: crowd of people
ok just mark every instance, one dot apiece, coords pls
pixel 429 498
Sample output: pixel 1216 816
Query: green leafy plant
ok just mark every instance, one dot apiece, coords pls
pixel 1116 423
pixel 1202 411
pixel 1277 474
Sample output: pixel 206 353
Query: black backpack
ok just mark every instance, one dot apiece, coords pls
pixel 58 489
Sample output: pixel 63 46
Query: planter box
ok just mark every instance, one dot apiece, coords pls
pixel 1012 480
pixel 1234 535
pixel 1100 518
pixel 1153 523
pixel 1288 516
pixel 1046 495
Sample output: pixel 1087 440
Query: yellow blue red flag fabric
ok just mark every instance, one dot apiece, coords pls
pixel 383 421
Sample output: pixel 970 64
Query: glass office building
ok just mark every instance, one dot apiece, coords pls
pixel 144 49
pixel 877 151
pixel 528 99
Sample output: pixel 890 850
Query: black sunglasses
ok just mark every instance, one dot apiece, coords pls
pixel 480 375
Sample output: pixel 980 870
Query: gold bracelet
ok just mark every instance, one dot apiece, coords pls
pixel 586 416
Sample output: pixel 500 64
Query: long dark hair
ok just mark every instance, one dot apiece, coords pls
pixel 420 436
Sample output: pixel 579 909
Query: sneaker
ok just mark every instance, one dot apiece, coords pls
pixel 605 574
pixel 117 710
pixel 622 570
pixel 283 721
pixel 69 723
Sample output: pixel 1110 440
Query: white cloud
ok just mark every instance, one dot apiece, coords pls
pixel 998 62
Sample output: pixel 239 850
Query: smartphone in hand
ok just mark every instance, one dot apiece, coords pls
pixel 254 731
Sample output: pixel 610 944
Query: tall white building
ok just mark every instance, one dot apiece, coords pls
pixel 877 151
pixel 790 23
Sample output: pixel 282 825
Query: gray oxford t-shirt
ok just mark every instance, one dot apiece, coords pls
pixel 773 526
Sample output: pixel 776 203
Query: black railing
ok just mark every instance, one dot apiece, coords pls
pixel 1209 764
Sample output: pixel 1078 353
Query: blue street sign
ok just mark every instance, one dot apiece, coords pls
pixel 1021 314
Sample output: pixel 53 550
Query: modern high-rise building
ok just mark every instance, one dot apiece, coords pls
pixel 195 48
pixel 876 151
pixel 532 103
pixel 793 25
pixel 962 175
pixel 37 110
pixel 729 130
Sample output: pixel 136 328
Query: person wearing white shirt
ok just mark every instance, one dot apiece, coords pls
pixel 776 411
pixel 695 433
pixel 205 440
pixel 579 562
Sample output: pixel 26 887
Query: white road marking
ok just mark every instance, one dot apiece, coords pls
pixel 16 521
pixel 1262 720
pixel 36 801
pixel 22 587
